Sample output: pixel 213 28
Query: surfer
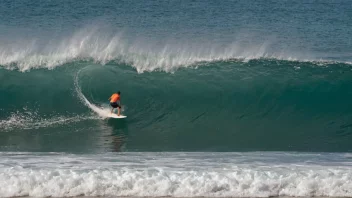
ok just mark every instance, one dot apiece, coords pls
pixel 115 102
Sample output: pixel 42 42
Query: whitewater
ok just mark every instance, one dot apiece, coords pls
pixel 257 174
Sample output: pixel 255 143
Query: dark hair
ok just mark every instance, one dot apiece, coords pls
pixel 119 92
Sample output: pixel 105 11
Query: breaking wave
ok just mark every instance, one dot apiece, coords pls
pixel 92 45
pixel 174 175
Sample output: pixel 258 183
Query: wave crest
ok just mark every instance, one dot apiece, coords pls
pixel 92 44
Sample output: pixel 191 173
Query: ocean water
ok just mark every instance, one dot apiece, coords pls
pixel 222 98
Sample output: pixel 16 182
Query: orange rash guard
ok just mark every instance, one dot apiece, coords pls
pixel 114 98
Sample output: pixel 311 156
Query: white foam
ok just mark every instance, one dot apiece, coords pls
pixel 170 174
pixel 30 120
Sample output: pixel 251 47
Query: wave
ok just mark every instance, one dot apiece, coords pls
pixel 102 112
pixel 28 118
pixel 93 45
pixel 175 175
pixel 157 182
pixel 306 107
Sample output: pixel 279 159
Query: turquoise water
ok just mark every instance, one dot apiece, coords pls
pixel 230 98
pixel 260 105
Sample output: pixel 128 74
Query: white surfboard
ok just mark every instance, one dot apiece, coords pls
pixel 112 115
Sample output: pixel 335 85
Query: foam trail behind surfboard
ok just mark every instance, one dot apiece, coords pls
pixel 102 112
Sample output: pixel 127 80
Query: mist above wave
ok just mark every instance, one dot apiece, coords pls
pixel 144 55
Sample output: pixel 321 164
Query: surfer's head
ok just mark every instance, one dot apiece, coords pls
pixel 119 92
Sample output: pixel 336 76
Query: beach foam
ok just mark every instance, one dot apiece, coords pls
pixel 173 174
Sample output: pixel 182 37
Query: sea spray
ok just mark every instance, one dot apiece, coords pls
pixel 90 44
pixel 102 112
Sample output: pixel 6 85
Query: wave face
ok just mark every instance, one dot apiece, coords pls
pixel 229 105
pixel 175 175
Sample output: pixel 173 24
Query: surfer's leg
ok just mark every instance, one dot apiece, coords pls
pixel 118 111
pixel 112 108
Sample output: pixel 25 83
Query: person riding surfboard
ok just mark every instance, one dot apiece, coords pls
pixel 115 102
